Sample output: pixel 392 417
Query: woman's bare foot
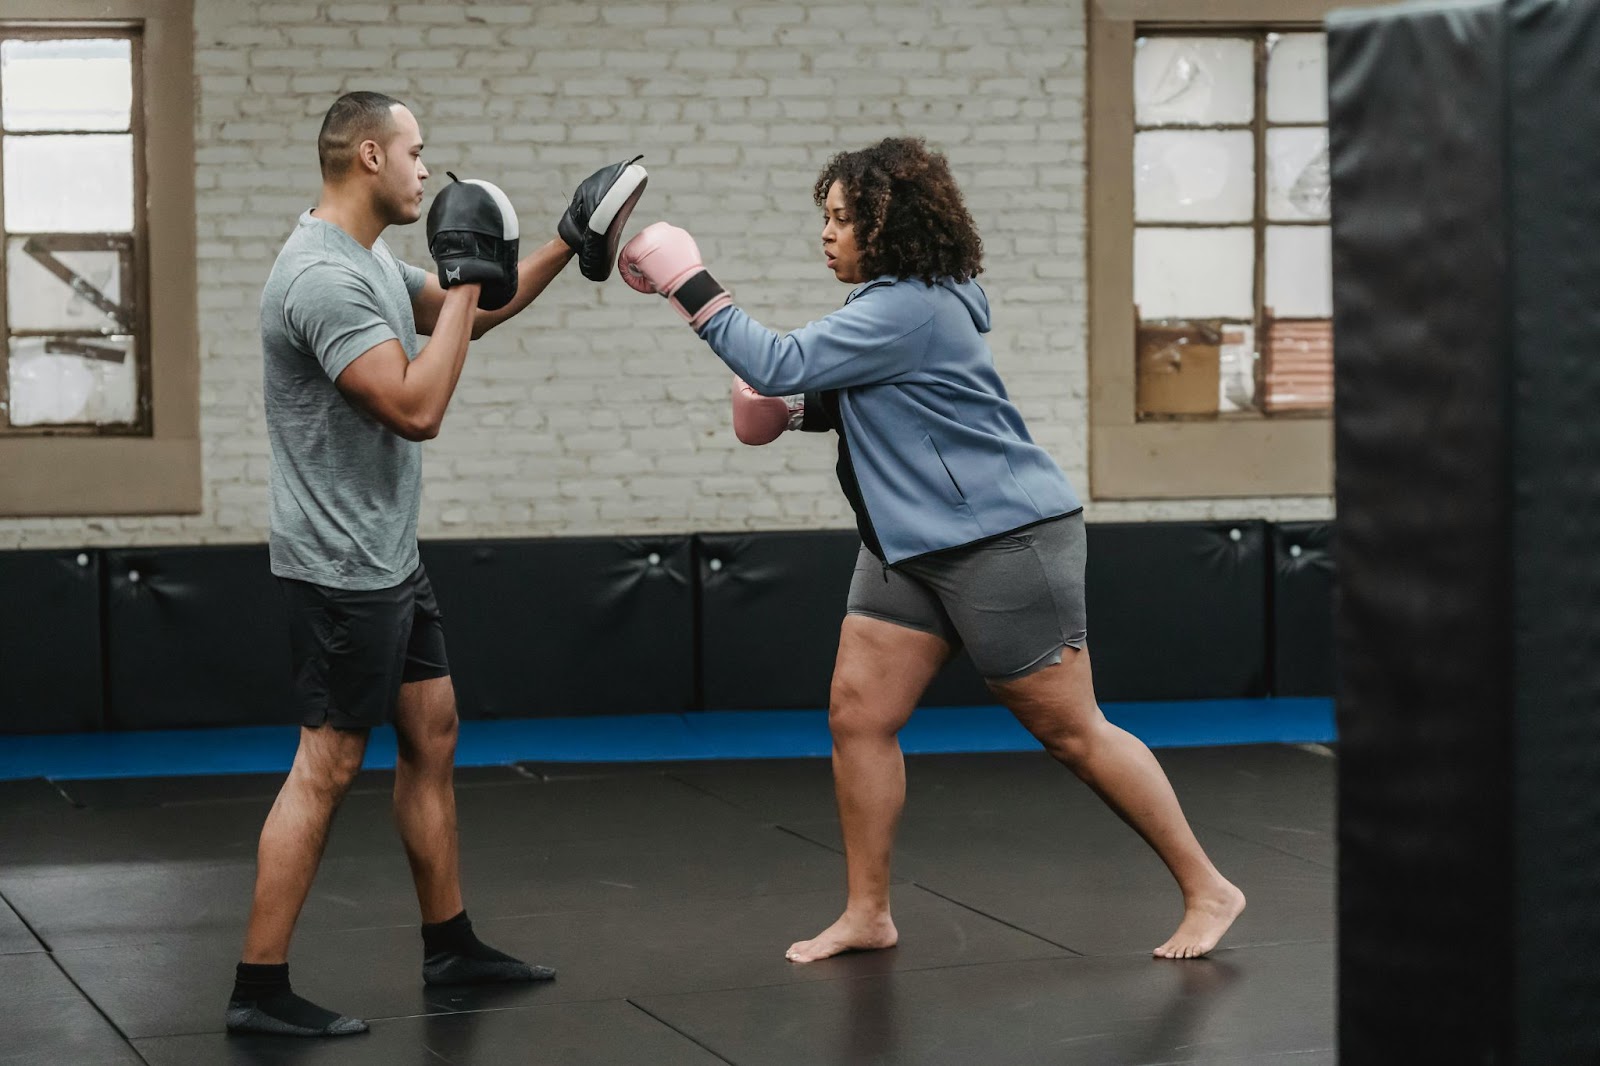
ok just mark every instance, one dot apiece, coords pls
pixel 849 933
pixel 1205 919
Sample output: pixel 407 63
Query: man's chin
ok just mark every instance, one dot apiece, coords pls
pixel 403 214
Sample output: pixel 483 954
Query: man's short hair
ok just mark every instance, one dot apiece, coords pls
pixel 353 118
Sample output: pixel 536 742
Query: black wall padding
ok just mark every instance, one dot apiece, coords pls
pixel 771 606
pixel 1302 609
pixel 569 626
pixel 1465 142
pixel 195 637
pixel 50 642
pixel 1177 610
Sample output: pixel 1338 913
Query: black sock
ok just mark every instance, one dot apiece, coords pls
pixel 454 936
pixel 263 1002
pixel 255 981
pixel 453 954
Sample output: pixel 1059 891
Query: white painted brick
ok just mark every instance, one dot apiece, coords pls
pixel 705 59
pixel 579 60
pixel 637 62
pixel 490 62
pixel 632 15
pixel 321 37
pixel 428 60
pixel 787 88
pixel 282 59
pixel 760 14
pixel 359 12
pixel 501 15
pixel 596 411
pixel 433 14
pixel 471 36
pixel 742 40
pixel 808 36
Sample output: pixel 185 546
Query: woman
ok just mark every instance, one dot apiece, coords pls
pixel 970 533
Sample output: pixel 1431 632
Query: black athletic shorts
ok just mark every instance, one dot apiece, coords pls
pixel 352 650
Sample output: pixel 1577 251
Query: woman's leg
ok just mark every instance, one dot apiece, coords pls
pixel 881 672
pixel 1058 706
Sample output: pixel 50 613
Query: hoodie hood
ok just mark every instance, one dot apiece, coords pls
pixel 970 293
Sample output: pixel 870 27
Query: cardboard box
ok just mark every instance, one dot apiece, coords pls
pixel 1179 368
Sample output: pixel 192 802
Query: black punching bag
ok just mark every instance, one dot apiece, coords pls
pixel 1465 155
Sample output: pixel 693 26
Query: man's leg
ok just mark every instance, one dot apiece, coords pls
pixel 425 812
pixel 424 794
pixel 292 842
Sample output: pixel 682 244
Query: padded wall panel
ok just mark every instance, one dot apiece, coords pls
pixel 1177 610
pixel 195 637
pixel 569 626
pixel 1466 259
pixel 50 642
pixel 1302 609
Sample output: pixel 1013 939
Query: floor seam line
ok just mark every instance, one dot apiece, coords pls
pixel 73 981
pixel 1002 921
pixel 1235 834
pixel 630 1001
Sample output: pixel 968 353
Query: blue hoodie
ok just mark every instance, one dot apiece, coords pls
pixel 939 453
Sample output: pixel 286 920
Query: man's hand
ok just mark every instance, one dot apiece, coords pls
pixel 472 233
pixel 592 224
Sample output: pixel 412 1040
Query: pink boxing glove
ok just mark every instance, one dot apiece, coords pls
pixel 759 419
pixel 663 258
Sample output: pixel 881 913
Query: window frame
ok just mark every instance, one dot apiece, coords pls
pixel 133 259
pixel 1171 459
pixel 68 471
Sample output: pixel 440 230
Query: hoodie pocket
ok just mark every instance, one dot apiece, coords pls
pixel 953 494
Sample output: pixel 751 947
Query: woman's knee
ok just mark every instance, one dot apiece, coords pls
pixel 1070 747
pixel 854 713
pixel 1069 734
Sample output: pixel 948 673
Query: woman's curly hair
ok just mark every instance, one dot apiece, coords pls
pixel 908 214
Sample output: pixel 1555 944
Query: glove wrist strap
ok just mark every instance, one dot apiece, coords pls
pixel 694 294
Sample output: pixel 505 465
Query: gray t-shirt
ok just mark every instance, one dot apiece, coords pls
pixel 345 489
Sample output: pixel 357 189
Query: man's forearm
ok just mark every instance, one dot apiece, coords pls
pixel 535 271
pixel 430 378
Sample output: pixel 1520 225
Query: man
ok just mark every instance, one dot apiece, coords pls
pixel 350 392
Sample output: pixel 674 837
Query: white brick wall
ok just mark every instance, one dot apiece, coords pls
pixel 597 411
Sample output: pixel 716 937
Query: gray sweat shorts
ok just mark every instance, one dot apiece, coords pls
pixel 1014 601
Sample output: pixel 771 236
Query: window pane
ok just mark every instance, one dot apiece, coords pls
pixel 1194 273
pixel 1194 81
pixel 1297 174
pixel 66 85
pixel 1297 78
pixel 71 380
pixel 39 298
pixel 1299 366
pixel 69 184
pixel 1300 271
pixel 1194 176
pixel 1238 371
